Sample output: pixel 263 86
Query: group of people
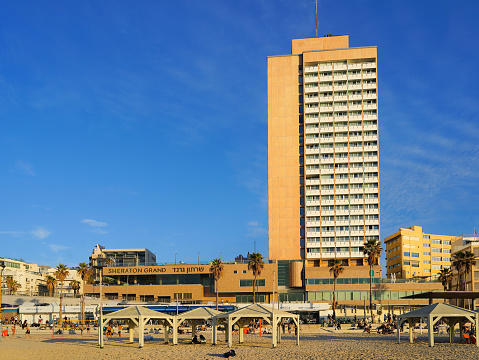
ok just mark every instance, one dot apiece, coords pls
pixel 109 330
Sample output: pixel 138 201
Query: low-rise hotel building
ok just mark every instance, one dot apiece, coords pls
pixel 191 283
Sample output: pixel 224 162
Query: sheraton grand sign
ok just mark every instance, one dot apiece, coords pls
pixel 151 270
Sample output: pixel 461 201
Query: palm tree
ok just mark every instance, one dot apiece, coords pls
pixel 256 264
pixel 12 285
pixel 445 275
pixel 458 264
pixel 75 285
pixel 61 274
pixel 468 261
pixel 85 273
pixel 336 269
pixel 372 249
pixel 51 283
pixel 216 270
pixel 9 282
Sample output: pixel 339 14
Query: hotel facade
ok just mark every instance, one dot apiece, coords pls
pixel 323 170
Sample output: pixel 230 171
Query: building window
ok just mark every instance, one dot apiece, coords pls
pixel 415 254
pixel 426 245
pixel 437 242
pixel 446 242
pixel 407 263
pixel 235 271
pixel 249 282
pixel 436 258
pixel 426 261
pixel 436 250
pixel 244 271
pixel 406 254
pixel 426 253
pixel 426 237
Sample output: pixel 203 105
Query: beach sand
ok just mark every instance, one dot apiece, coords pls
pixel 319 344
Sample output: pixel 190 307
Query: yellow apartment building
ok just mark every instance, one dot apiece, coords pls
pixel 411 253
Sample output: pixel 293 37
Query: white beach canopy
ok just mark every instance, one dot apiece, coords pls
pixel 432 314
pixel 242 316
pixel 137 316
pixel 193 317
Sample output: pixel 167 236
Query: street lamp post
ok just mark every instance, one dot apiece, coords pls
pixel 198 257
pixel 175 257
pixel 2 266
pixel 99 265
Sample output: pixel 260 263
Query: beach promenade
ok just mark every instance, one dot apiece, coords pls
pixel 317 344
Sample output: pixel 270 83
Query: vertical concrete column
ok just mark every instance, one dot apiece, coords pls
pixel 141 331
pixel 229 331
pixel 167 333
pixel 297 332
pixel 477 323
pixel 100 331
pixel 275 331
pixel 452 324
pixel 175 331
pixel 241 330
pixel 193 327
pixel 411 325
pixel 131 330
pixel 399 331
pixel 215 325
pixel 430 331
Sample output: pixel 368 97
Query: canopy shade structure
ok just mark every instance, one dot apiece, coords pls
pixel 193 317
pixel 473 295
pixel 432 314
pixel 137 316
pixel 254 311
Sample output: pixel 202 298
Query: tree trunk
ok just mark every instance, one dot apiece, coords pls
pixel 83 304
pixel 334 299
pixel 371 292
pixel 61 301
pixel 254 286
pixel 216 290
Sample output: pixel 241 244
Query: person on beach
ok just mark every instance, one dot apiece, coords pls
pixel 119 330
pixel 88 328
pixel 13 330
pixel 27 332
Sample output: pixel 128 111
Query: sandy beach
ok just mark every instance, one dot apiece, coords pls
pixel 318 344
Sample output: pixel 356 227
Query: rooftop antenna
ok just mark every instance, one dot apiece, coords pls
pixel 316 13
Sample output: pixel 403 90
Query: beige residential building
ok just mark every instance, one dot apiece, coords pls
pixel 323 183
pixel 411 253
pixel 466 242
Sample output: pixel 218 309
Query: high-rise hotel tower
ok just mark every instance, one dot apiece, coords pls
pixel 323 152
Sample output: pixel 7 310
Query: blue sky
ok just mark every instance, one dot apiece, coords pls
pixel 144 124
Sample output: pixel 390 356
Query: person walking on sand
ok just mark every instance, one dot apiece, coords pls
pixel 119 330
pixel 13 330
pixel 27 332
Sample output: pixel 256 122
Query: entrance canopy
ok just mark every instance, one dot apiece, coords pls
pixel 432 314
pixel 137 316
pixel 254 311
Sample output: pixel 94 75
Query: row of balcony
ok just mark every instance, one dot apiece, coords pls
pixel 339 66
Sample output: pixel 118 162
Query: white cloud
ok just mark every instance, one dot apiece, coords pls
pixel 40 233
pixel 14 233
pixel 56 248
pixel 256 230
pixel 22 167
pixel 99 231
pixel 94 223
